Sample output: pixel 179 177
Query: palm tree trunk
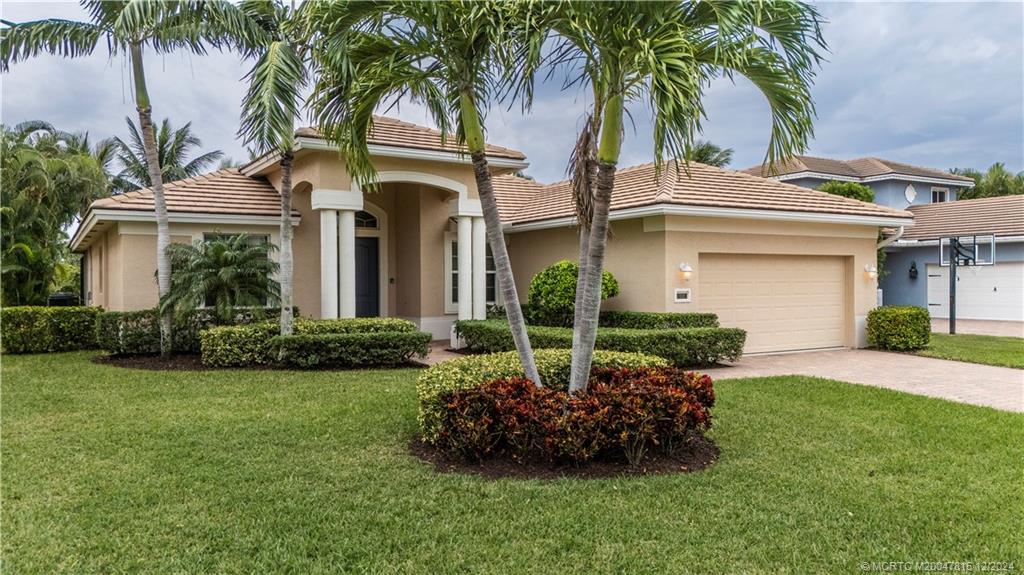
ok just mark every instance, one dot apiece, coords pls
pixel 586 318
pixel 163 229
pixel 496 239
pixel 581 270
pixel 287 263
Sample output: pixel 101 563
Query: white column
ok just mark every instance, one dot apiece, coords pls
pixel 479 269
pixel 347 263
pixel 465 267
pixel 328 264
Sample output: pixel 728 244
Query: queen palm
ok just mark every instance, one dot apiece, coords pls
pixel 174 148
pixel 456 58
pixel 667 53
pixel 129 27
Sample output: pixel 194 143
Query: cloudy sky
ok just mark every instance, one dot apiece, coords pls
pixel 937 84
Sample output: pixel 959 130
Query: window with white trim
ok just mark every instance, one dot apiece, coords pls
pixel 451 275
pixel 940 195
pixel 366 220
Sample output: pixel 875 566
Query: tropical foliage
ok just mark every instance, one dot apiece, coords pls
pixel 665 54
pixel 455 58
pixel 705 152
pixel 46 180
pixel 851 190
pixel 995 181
pixel 175 149
pixel 126 27
pixel 222 273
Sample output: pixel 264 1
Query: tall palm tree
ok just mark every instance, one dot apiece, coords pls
pixel 995 181
pixel 456 58
pixel 705 152
pixel 174 146
pixel 667 53
pixel 271 32
pixel 129 27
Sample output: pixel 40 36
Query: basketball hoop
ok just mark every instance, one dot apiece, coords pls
pixel 966 251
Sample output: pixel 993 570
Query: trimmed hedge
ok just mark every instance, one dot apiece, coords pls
pixel 138 332
pixel 682 346
pixel 899 328
pixel 624 413
pixel 468 372
pixel 656 320
pixel 552 294
pixel 39 329
pixel 247 345
pixel 378 348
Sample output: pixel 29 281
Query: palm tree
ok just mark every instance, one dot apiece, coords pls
pixel 47 179
pixel 224 273
pixel 174 146
pixel 995 181
pixel 705 152
pixel 271 33
pixel 122 26
pixel 454 57
pixel 668 53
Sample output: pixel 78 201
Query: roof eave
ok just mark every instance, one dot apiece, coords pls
pixel 96 216
pixel 261 165
pixel 868 179
pixel 663 209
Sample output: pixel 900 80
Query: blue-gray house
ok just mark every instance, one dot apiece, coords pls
pixel 914 274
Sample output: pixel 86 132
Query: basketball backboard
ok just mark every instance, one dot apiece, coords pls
pixel 977 250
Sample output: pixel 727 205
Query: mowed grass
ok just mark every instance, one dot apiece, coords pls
pixel 108 470
pixel 987 349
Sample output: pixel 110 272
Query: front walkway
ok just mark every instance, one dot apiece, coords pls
pixel 998 387
pixel 981 327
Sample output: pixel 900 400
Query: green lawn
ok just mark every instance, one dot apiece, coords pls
pixel 987 349
pixel 112 470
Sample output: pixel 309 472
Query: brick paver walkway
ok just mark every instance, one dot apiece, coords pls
pixel 981 327
pixel 998 387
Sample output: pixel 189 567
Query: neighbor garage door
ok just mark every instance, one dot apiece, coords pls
pixel 785 303
pixel 983 292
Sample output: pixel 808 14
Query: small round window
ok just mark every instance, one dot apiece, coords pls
pixel 366 220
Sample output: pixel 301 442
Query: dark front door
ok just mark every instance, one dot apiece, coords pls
pixel 367 277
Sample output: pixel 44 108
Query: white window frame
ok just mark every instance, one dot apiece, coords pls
pixel 945 195
pixel 451 306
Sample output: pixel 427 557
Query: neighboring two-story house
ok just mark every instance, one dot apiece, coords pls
pixel 913 273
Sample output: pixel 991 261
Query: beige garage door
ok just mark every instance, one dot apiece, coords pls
pixel 785 303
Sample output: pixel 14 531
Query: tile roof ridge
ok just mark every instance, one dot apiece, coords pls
pixel 820 193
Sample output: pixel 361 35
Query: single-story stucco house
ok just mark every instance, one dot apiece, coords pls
pixel 792 266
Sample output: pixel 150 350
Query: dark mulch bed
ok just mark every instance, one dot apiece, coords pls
pixel 699 454
pixel 194 363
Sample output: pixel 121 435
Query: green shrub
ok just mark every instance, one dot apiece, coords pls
pixel 552 295
pixel 682 346
pixel 848 190
pixel 468 372
pixel 899 328
pixel 39 329
pixel 376 348
pixel 138 332
pixel 656 320
pixel 247 345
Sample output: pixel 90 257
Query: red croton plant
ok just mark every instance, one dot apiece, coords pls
pixel 623 414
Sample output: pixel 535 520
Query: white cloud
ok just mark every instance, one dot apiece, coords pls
pixel 929 84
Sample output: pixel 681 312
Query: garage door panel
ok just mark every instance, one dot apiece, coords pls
pixel 993 292
pixel 783 302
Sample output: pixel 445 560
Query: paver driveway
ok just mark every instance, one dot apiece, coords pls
pixel 998 387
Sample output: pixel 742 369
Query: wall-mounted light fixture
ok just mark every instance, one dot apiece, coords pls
pixel 913 270
pixel 871 271
pixel 686 271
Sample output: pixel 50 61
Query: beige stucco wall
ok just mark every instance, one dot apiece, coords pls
pixel 644 255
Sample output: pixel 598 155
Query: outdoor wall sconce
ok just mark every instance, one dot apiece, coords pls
pixel 913 270
pixel 871 271
pixel 686 271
